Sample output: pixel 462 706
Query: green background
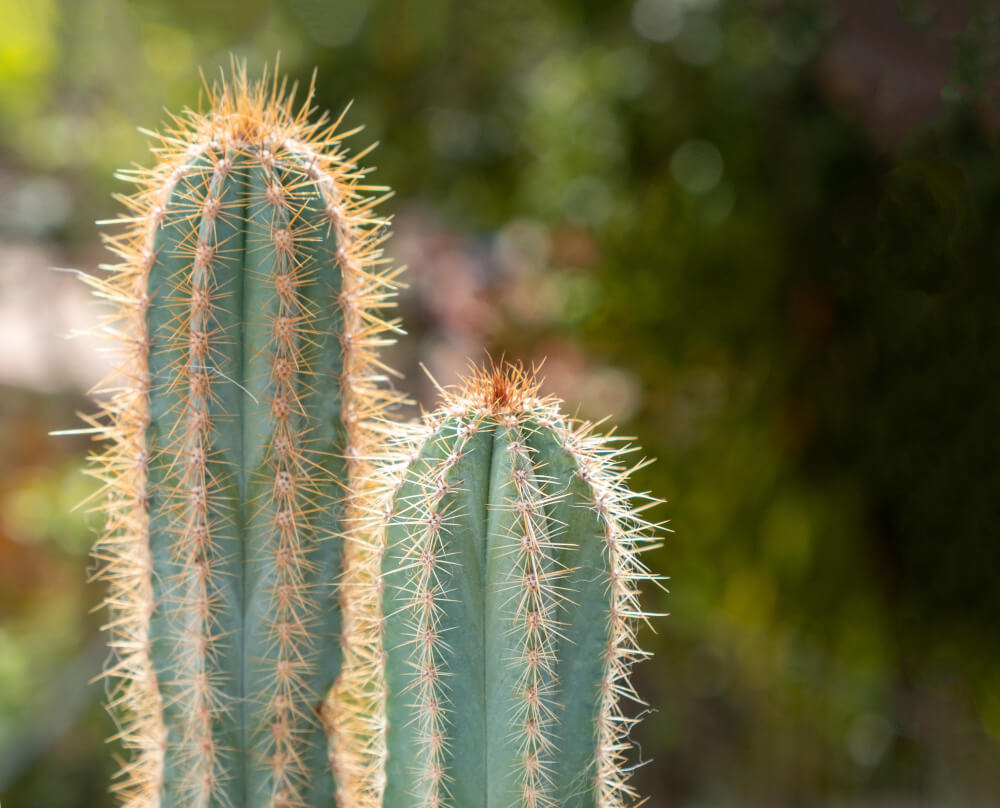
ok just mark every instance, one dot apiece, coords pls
pixel 761 236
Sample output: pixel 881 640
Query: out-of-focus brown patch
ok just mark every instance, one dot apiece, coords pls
pixel 889 71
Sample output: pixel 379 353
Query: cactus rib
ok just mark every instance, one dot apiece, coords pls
pixel 239 418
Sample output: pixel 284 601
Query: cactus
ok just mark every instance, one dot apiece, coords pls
pixel 510 572
pixel 239 424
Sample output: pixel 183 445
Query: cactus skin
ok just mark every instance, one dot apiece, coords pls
pixel 510 604
pixel 238 421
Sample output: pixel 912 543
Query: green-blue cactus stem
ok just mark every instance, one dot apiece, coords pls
pixel 247 294
pixel 509 602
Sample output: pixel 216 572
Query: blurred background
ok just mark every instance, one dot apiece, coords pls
pixel 762 236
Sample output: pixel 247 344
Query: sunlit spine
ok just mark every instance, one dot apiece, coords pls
pixel 239 427
pixel 510 578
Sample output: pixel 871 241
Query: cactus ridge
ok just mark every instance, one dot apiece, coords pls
pixel 238 438
pixel 510 573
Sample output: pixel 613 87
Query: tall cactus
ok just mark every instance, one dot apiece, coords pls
pixel 238 426
pixel 510 576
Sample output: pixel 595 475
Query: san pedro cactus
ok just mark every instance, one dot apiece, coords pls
pixel 509 585
pixel 238 427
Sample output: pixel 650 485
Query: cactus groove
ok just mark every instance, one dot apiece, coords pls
pixel 510 574
pixel 239 424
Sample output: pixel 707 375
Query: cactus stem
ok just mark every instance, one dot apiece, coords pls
pixel 241 141
pixel 502 688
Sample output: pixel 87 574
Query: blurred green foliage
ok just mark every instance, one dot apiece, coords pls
pixel 754 233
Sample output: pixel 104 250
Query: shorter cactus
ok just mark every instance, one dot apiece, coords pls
pixel 510 570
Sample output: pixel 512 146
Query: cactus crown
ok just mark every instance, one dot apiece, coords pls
pixel 497 389
pixel 238 427
pixel 509 574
